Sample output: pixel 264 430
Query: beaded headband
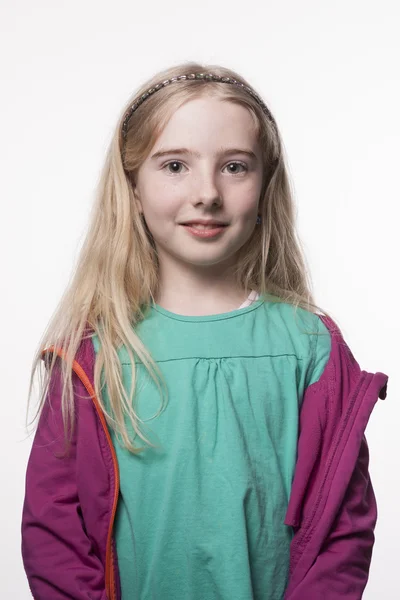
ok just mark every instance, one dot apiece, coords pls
pixel 205 76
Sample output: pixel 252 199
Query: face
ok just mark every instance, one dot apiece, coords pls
pixel 210 168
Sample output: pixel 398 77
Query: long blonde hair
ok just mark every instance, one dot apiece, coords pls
pixel 116 275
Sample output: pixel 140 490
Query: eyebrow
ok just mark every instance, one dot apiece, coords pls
pixel 222 152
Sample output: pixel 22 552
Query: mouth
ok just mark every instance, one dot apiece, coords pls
pixel 201 226
pixel 204 231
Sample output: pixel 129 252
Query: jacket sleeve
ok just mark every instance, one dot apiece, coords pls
pixel 342 566
pixel 58 557
pixel 335 459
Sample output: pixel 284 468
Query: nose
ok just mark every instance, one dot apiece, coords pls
pixel 206 189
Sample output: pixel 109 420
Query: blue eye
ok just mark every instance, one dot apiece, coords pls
pixel 177 162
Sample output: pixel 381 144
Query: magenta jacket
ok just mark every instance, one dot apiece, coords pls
pixel 68 548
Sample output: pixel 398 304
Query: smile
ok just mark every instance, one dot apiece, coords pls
pixel 204 231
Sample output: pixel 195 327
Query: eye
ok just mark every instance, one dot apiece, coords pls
pixel 173 162
pixel 238 164
pixel 177 163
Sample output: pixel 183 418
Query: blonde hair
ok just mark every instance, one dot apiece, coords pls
pixel 116 275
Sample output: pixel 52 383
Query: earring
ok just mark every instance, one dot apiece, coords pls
pixel 258 220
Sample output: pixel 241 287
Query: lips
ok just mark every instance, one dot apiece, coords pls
pixel 201 221
pixel 203 231
pixel 206 223
pixel 202 226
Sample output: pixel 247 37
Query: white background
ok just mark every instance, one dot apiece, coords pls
pixel 329 72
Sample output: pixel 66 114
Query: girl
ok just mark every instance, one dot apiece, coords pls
pixel 249 478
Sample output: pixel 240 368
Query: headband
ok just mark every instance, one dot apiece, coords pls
pixel 204 76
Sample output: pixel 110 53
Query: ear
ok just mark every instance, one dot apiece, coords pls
pixel 137 200
pixel 135 192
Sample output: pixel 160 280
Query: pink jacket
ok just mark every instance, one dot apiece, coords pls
pixel 68 548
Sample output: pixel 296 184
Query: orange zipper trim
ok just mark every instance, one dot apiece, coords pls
pixel 109 574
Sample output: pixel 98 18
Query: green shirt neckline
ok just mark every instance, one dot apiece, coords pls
pixel 213 317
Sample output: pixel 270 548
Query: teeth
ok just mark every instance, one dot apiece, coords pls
pixel 198 226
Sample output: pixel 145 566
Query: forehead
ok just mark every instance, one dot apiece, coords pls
pixel 209 119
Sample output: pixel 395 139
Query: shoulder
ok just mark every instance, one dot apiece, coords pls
pixel 84 358
pixel 304 332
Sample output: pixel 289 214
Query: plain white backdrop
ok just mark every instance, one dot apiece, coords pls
pixel 329 71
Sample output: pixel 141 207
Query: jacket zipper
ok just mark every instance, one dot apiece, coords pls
pixel 306 535
pixel 109 570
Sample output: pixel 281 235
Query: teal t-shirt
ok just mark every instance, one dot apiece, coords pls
pixel 201 516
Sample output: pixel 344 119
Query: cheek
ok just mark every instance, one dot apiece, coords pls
pixel 161 201
pixel 246 199
pixel 246 208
